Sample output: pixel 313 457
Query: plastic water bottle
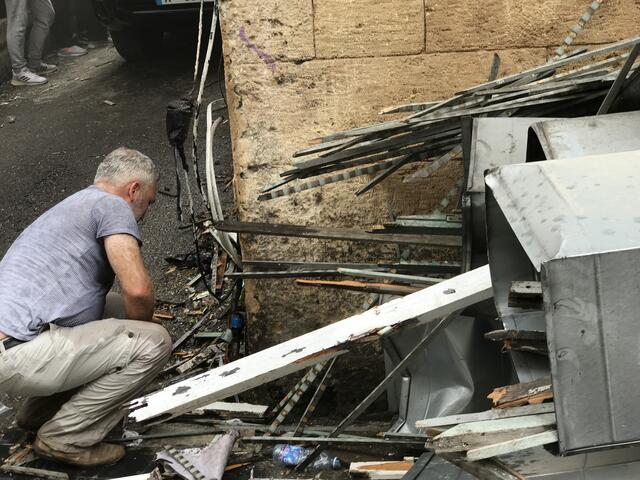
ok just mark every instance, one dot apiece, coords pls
pixel 292 455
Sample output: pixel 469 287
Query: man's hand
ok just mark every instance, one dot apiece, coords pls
pixel 125 258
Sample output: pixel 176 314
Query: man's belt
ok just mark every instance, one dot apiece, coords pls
pixel 10 342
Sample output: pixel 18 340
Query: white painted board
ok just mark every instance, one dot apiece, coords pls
pixel 511 446
pixel 500 425
pixel 492 414
pixel 429 304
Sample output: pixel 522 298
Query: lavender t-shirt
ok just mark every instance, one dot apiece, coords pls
pixel 57 270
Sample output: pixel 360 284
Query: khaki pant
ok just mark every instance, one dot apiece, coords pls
pixel 90 371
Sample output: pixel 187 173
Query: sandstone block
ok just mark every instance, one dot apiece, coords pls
pixel 455 25
pixel 366 28
pixel 267 31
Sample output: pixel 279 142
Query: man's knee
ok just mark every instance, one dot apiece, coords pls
pixel 158 343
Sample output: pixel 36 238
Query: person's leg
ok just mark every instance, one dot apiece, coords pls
pixel 17 21
pixel 36 411
pixel 143 349
pixel 42 17
pixel 61 34
pixel 110 361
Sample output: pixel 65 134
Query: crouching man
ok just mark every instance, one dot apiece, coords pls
pixel 77 352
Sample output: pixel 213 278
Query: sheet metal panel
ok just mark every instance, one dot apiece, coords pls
pixel 494 142
pixel 579 137
pixel 591 305
pixel 570 207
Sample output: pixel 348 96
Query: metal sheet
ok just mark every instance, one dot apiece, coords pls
pixel 508 262
pixel 494 142
pixel 440 469
pixel 579 137
pixel 572 207
pixel 452 375
pixel 591 307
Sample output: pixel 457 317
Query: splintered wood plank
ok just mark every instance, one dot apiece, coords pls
pixel 522 393
pixel 470 441
pixel 493 414
pixel 424 306
pixel 393 470
pixel 500 425
pixel 515 445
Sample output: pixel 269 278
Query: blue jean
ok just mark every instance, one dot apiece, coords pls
pixel 21 13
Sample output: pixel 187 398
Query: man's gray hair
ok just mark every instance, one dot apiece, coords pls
pixel 126 165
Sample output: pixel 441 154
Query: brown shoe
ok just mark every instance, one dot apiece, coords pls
pixel 99 454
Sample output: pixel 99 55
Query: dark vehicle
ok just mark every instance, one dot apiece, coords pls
pixel 137 26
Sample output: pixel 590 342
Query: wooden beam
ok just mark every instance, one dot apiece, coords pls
pixel 515 445
pixel 525 295
pixel 425 306
pixel 472 435
pixel 384 288
pixel 351 235
pixel 493 414
pixel 392 470
pixel 34 472
pixel 500 425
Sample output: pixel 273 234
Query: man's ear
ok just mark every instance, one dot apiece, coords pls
pixel 133 188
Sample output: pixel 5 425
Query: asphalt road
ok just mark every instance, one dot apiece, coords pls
pixel 52 138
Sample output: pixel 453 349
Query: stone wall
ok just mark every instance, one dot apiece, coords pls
pixel 299 69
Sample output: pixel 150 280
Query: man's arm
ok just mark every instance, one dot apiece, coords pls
pixel 125 258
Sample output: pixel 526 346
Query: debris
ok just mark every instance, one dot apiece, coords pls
pixel 163 316
pixel 471 435
pixel 21 455
pixel 336 234
pixel 109 102
pixel 205 354
pixel 393 470
pixel 243 409
pixel 398 277
pixel 292 455
pixel 525 295
pixel 426 306
pixel 522 394
pixel 513 445
pixel 434 132
pixel 195 464
pixel 426 267
pixel 494 414
pixel 521 340
pixel 385 288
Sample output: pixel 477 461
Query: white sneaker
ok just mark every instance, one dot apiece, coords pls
pixel 44 68
pixel 27 77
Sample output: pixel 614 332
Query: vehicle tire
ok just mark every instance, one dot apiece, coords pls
pixel 138 44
